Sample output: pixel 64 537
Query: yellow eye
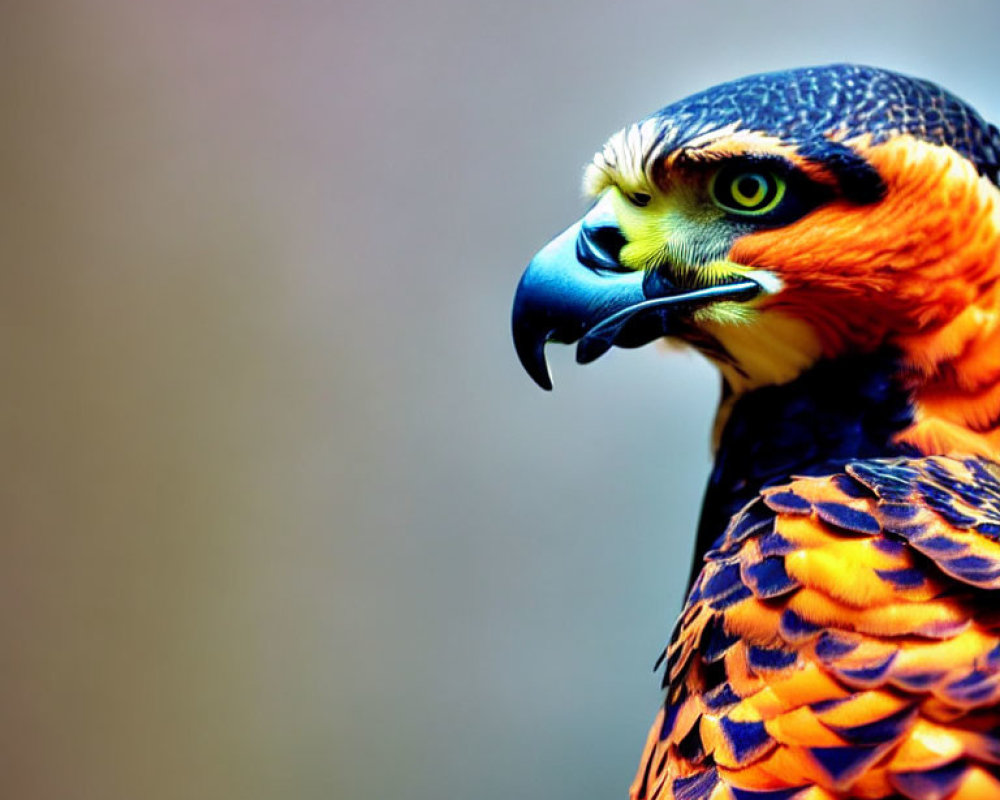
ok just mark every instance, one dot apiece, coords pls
pixel 746 191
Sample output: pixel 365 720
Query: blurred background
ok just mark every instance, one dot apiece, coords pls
pixel 282 516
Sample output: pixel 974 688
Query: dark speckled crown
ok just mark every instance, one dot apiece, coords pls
pixel 801 105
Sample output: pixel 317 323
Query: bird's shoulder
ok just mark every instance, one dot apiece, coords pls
pixel 842 635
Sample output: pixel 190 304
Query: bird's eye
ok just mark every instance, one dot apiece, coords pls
pixel 748 191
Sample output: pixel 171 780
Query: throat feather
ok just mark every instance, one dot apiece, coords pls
pixel 762 349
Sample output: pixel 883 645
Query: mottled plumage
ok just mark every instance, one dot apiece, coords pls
pixel 830 238
pixel 842 634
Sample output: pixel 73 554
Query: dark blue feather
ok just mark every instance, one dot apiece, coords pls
pixel 745 739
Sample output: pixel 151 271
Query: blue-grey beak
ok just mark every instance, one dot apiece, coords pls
pixel 576 290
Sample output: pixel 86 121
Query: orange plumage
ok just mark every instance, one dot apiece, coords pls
pixel 835 641
pixel 830 239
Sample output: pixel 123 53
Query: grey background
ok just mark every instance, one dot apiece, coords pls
pixel 282 516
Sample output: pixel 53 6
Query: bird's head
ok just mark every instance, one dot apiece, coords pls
pixel 778 220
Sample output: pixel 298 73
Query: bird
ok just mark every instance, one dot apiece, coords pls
pixel 829 238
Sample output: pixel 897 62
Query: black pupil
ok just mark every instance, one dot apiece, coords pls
pixel 747 186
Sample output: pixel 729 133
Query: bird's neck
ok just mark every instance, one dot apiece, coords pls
pixel 954 372
pixel 866 406
pixel 836 411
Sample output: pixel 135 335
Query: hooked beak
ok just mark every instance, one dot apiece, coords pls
pixel 576 290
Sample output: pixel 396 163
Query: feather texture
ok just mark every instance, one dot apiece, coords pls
pixel 841 640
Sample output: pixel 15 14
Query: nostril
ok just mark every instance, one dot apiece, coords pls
pixel 610 240
pixel 599 247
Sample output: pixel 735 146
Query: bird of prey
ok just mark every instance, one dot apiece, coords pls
pixel 829 238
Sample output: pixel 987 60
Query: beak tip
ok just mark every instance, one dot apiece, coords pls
pixel 530 333
pixel 542 376
pixel 545 382
pixel 531 353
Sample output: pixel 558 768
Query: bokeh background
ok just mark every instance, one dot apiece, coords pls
pixel 281 515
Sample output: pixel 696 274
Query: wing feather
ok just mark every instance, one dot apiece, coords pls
pixel 842 640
